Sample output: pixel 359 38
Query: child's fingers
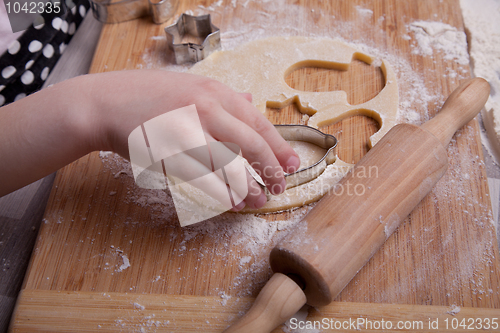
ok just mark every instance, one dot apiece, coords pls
pixel 244 190
pixel 256 197
pixel 226 128
pixel 247 113
pixel 247 96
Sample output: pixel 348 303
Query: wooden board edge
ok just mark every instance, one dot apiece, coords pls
pixel 67 311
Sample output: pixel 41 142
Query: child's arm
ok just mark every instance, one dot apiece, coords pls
pixel 47 130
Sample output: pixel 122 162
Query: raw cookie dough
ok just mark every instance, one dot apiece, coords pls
pixel 260 68
pixel 306 193
pixel 309 153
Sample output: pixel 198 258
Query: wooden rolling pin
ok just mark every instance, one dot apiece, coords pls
pixel 347 227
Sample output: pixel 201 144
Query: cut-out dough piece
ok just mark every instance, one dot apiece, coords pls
pixel 306 193
pixel 309 153
pixel 260 68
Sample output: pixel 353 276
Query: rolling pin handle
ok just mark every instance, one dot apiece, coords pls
pixel 462 106
pixel 279 300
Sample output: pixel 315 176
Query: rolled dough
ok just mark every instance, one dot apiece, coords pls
pixel 260 68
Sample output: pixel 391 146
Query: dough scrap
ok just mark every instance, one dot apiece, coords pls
pixel 306 193
pixel 260 68
pixel 309 153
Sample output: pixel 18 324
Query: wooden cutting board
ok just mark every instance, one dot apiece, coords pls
pixel 444 254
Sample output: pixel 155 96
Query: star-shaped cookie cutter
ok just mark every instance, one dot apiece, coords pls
pixel 197 26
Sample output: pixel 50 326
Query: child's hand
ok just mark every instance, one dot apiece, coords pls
pixel 121 101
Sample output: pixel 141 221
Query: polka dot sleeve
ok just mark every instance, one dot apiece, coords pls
pixel 26 64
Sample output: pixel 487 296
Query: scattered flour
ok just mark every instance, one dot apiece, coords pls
pixel 253 235
pixel 126 261
pixel 454 310
pixel 245 260
pixel 140 323
pixel 224 298
pixel 364 12
pixel 433 36
pixel 138 306
pixel 125 265
pixel 103 154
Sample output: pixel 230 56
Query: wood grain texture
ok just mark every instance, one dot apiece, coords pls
pixel 42 310
pixel 444 253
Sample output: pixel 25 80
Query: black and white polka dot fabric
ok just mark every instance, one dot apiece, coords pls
pixel 26 64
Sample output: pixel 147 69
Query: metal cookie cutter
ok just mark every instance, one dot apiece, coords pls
pixel 311 135
pixel 316 137
pixel 126 10
pixel 198 26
